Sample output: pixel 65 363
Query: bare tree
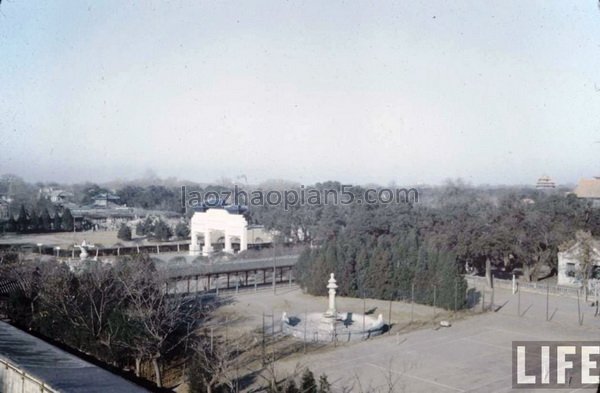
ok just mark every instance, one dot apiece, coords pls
pixel 87 300
pixel 217 362
pixel 24 278
pixel 159 322
pixel 585 257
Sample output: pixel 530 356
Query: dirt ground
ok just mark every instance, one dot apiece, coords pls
pixel 65 240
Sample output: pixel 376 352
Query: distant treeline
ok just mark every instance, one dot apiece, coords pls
pixel 154 197
pixel 34 221
pixel 148 196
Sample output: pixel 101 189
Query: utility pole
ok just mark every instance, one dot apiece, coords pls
pixel 272 322
pixel 390 317
pixel 237 372
pixel 455 295
pixel 305 318
pixel 518 301
pixel 547 300
pixel 579 316
pixel 434 300
pixel 412 302
pixel 334 333
pixel 364 310
pixel 263 340
pixel 274 269
pixel 596 296
pixel 483 300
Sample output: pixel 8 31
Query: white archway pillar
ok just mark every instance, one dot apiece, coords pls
pixel 194 246
pixel 244 240
pixel 207 249
pixel 228 247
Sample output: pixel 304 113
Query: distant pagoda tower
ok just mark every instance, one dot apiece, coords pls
pixel 545 183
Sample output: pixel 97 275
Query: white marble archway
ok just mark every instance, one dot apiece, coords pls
pixel 212 220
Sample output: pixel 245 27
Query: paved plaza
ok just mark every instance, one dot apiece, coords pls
pixel 473 355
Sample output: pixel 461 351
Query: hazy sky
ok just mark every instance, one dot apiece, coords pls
pixel 403 91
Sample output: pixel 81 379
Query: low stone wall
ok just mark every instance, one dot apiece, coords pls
pixel 312 327
pixel 15 380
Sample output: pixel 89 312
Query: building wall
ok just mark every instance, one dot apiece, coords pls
pixel 569 265
pixel 4 211
pixel 258 235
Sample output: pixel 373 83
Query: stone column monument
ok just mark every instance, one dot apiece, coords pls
pixel 331 286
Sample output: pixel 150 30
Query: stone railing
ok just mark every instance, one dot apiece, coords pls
pixel 15 380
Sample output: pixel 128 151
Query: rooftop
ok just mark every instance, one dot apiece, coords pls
pixel 59 369
pixel 588 188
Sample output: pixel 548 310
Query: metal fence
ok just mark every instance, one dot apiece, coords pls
pixel 540 301
pixel 539 287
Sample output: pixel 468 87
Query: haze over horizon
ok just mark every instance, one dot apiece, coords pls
pixel 494 93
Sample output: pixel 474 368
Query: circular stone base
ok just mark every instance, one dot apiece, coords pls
pixel 316 327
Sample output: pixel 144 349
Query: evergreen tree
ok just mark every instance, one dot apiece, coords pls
pixel 56 222
pixel 140 229
pixel 450 284
pixel 67 221
pixel 124 233
pixel 385 266
pixel 145 227
pixel 11 224
pixel 346 271
pixel 22 220
pixel 182 230
pixel 302 268
pixel 362 265
pixel 162 231
pixel 34 221
pixel 324 385
pixel 45 221
pixel 308 383
pixel 291 387
pixel 422 277
pixel 405 257
pixel 379 280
